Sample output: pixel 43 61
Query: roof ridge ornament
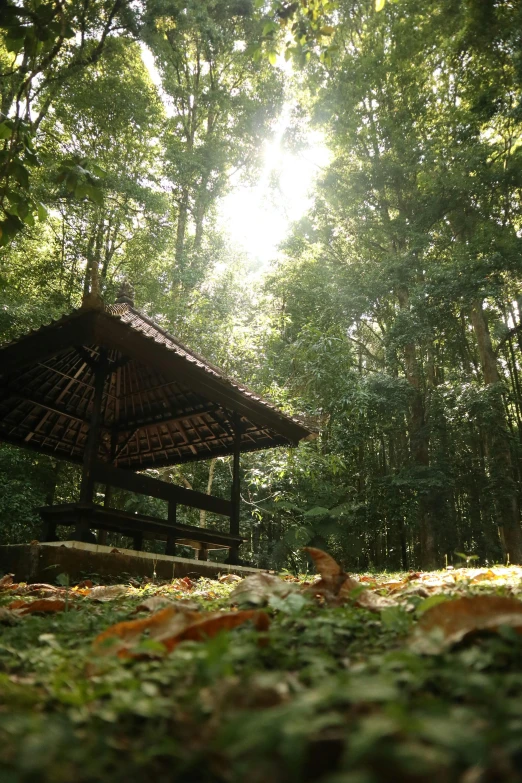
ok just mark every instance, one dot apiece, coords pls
pixel 126 294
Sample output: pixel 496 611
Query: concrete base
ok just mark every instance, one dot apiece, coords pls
pixel 42 562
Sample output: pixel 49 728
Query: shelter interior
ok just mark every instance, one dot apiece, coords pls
pixel 108 388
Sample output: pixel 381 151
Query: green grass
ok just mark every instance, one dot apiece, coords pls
pixel 334 695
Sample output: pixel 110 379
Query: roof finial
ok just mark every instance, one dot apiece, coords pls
pixel 126 294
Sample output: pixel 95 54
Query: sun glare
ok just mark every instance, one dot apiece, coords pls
pixel 258 217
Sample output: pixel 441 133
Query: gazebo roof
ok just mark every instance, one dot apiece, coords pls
pixel 163 404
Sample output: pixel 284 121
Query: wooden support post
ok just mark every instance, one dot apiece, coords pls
pixel 137 542
pixel 92 442
pixel 170 547
pixel 49 531
pixel 233 557
pixel 101 538
pixel 202 553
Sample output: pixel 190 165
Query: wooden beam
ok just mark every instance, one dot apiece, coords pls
pixel 170 548
pixel 46 342
pixel 146 485
pixel 169 418
pixel 36 400
pixel 87 356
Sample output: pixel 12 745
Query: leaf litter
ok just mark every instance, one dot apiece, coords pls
pixel 317 660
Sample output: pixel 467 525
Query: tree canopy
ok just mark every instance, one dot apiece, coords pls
pixel 391 315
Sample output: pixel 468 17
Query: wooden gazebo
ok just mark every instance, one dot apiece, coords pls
pixel 108 388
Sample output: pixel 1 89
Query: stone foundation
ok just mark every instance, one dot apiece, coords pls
pixel 42 562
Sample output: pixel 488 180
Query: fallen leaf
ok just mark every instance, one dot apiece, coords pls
pixel 172 625
pixel 42 605
pixel 6 581
pixel 156 602
pixel 334 583
pixel 211 625
pixel 229 578
pixel 481 575
pixel 107 593
pixel 337 587
pixel 448 623
pixel 7 617
pixel 185 583
pixel 374 602
pixel 392 587
pixel 257 589
pixel 85 583
pixel 327 567
pixel 38 588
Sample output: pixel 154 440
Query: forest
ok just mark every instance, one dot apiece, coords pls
pixel 323 198
pixel 389 315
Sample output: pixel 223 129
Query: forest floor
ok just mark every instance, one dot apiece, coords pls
pixel 271 679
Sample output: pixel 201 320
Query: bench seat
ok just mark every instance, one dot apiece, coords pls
pixel 137 526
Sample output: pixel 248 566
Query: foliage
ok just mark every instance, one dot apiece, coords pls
pixel 332 693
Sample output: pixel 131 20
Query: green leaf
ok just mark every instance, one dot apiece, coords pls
pixel 81 191
pixel 9 227
pixel 42 212
pixel 272 58
pixel 95 194
pixel 14 45
pixel 97 171
pixel 269 27
pixel 5 131
pixel 317 511
pixel 19 172
pixel 379 5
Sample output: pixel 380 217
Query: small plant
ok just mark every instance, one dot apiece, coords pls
pixel 467 558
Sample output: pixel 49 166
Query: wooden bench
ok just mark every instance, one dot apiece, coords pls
pixel 84 516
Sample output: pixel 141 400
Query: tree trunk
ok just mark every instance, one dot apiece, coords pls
pixel 203 513
pixel 181 233
pixel 419 445
pixel 498 446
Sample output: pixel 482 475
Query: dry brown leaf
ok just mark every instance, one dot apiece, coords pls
pixel 392 587
pixel 6 581
pixel 482 575
pixel 450 622
pixel 213 624
pixel 39 588
pixel 229 578
pixel 172 625
pixel 156 602
pixel 327 567
pixel 42 605
pixel 335 585
pixel 108 593
pixel 86 583
pixel 374 602
pixel 257 589
pixel 7 617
